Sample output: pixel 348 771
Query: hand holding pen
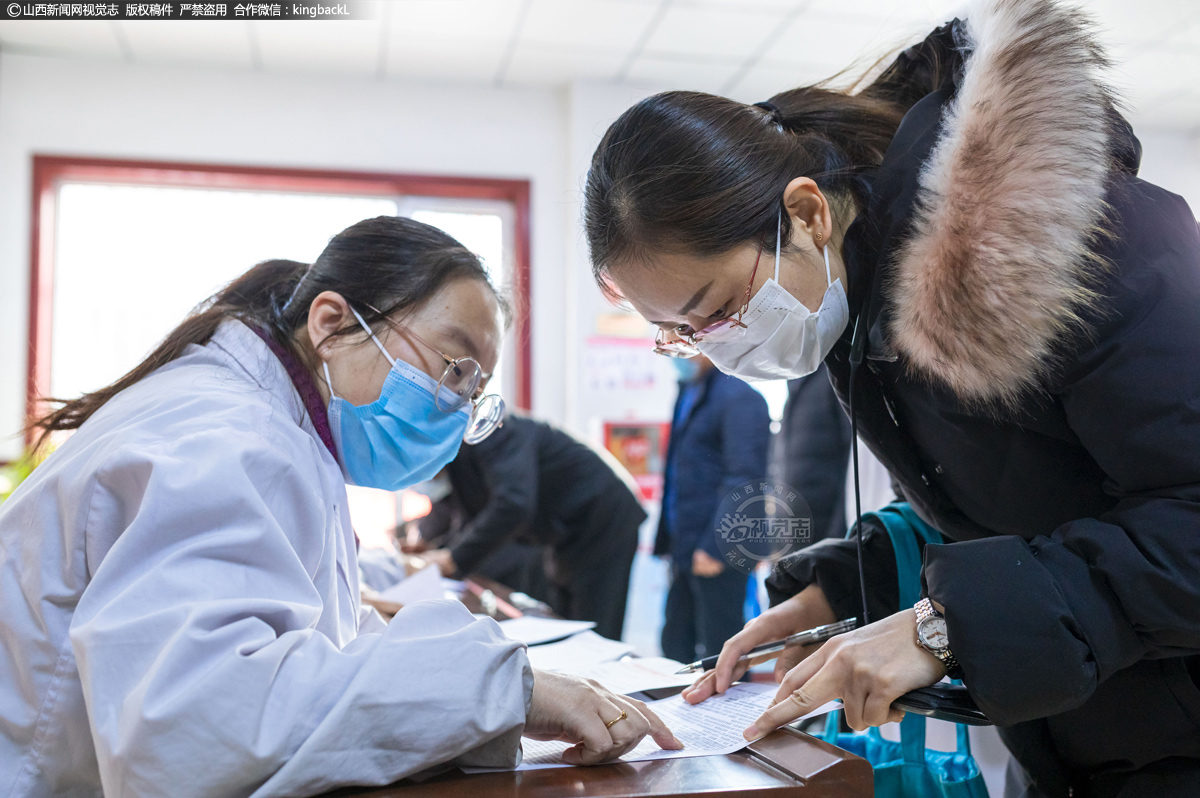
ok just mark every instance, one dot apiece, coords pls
pixel 804 611
pixel 772 650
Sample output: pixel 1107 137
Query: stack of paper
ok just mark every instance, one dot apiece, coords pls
pixel 582 650
pixel 532 630
pixel 425 584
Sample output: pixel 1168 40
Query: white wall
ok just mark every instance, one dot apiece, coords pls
pixel 1171 159
pixel 64 107
pixel 51 106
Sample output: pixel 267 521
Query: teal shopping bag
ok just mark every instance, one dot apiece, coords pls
pixel 906 769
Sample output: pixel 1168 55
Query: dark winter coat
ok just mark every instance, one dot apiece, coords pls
pixel 1032 381
pixel 534 483
pixel 721 444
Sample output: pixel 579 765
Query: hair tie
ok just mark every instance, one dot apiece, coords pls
pixel 773 110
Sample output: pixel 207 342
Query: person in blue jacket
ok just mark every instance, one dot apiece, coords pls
pixel 720 434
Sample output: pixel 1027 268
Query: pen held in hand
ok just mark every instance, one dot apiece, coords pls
pixel 769 651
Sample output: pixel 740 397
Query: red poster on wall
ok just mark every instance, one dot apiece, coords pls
pixel 640 446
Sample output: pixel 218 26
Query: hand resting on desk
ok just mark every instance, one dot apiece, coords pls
pixel 576 710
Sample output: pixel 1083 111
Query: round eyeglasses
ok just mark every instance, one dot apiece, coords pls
pixel 681 341
pixel 459 385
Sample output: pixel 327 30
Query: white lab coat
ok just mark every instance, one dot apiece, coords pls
pixel 180 615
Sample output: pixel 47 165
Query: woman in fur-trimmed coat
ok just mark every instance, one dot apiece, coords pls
pixel 1029 316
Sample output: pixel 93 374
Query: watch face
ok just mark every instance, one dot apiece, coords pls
pixel 932 633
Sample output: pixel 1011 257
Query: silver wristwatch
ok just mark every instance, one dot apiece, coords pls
pixel 931 635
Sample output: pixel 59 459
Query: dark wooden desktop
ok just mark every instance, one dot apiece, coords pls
pixel 785 763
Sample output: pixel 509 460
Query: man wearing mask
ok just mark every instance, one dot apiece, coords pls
pixel 720 435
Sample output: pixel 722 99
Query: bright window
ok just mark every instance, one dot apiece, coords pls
pixel 131 256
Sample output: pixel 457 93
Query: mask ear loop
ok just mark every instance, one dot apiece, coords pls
pixel 391 360
pixel 828 279
pixel 778 234
pixel 328 381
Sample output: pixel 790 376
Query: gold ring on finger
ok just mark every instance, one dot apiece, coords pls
pixel 623 716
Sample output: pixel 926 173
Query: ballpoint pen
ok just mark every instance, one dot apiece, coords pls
pixel 818 634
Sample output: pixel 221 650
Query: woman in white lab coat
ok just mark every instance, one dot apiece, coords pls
pixel 179 597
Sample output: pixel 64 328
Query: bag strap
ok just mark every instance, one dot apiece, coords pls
pixel 903 526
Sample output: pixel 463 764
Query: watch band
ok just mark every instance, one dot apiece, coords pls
pixel 924 609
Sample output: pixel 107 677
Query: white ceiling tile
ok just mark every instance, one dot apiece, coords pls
pixel 1134 22
pixel 543 66
pixel 483 19
pixel 682 73
pixel 820 39
pixel 221 43
pixel 705 32
pixel 1180 111
pixel 332 47
pixel 930 12
pixel 1186 38
pixel 444 57
pixel 586 23
pixel 768 79
pixel 72 38
pixel 747 6
pixel 1156 74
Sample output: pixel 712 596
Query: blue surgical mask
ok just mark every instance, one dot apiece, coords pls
pixel 401 438
pixel 685 368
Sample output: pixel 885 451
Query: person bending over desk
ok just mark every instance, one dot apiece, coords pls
pixel 534 483
pixel 1012 317
pixel 179 598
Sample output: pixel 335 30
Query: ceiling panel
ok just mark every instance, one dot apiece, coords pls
pixel 218 43
pixel 748 6
pixel 1178 111
pixel 344 47
pixel 747 48
pixel 769 78
pixel 716 33
pixel 586 23
pixel 1141 22
pixel 74 39
pixel 444 58
pixel 682 74
pixel 1155 74
pixel 544 66
pixel 825 39
pixel 471 19
pixel 930 12
pixel 1185 38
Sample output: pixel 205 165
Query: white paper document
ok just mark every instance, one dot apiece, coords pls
pixel 710 728
pixel 578 651
pixel 634 674
pixel 424 584
pixel 532 630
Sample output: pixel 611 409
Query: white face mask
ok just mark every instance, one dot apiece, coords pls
pixel 783 339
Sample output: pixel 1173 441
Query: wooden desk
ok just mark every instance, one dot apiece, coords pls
pixel 785 764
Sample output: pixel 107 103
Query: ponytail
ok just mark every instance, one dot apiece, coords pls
pixel 699 174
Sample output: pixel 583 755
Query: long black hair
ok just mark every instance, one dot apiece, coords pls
pixel 390 263
pixel 699 174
